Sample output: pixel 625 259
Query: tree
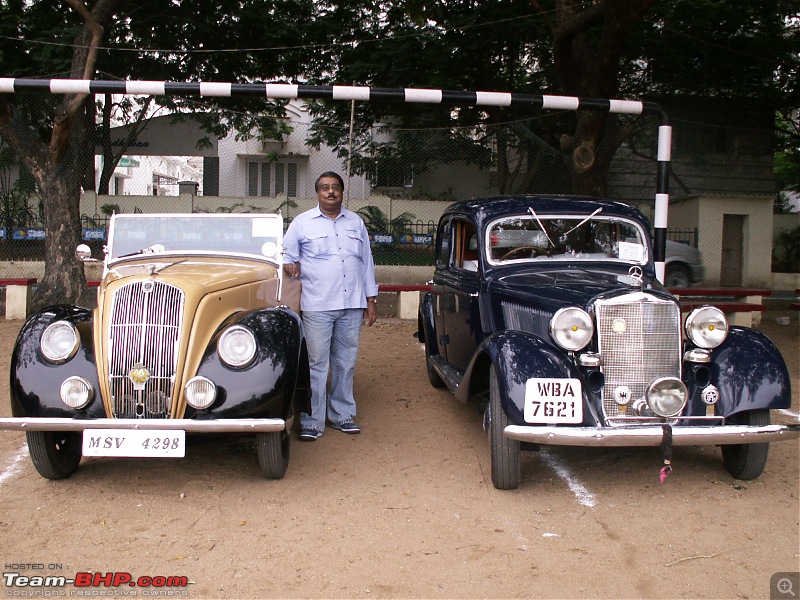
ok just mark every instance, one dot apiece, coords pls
pixel 735 56
pixel 588 47
pixel 58 148
pixel 56 164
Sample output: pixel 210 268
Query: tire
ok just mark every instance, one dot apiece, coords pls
pixel 55 454
pixel 273 453
pixel 747 461
pixel 505 453
pixel 433 376
pixel 677 276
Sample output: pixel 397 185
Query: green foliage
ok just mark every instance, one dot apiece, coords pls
pixel 110 209
pixel 377 221
pixel 786 255
pixel 15 209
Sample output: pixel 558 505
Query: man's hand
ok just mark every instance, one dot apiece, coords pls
pixel 371 314
pixel 292 269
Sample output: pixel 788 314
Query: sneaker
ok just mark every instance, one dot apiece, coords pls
pixel 309 435
pixel 347 427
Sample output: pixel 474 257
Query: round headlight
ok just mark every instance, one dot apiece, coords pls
pixel 59 341
pixel 237 346
pixel 706 327
pixel 571 328
pixel 200 392
pixel 76 392
pixel 667 396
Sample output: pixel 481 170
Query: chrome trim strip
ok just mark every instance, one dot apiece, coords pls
pixel 188 425
pixel 652 435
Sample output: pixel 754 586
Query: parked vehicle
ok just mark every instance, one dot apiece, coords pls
pixel 684 265
pixel 546 312
pixel 195 331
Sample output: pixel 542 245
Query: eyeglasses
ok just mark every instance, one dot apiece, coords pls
pixel 327 188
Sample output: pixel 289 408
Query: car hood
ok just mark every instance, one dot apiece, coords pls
pixel 204 275
pixel 567 287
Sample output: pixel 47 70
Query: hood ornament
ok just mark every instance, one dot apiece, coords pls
pixel 636 274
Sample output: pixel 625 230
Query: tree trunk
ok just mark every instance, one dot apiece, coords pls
pixel 587 46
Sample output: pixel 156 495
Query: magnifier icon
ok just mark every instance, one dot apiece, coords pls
pixel 785 587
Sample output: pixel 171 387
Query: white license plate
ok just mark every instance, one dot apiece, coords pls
pixel 134 442
pixel 553 401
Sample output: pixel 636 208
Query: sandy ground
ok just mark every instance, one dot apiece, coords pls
pixel 406 509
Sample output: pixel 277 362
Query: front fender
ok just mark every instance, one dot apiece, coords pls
pixel 750 373
pixel 35 383
pixel 265 387
pixel 518 356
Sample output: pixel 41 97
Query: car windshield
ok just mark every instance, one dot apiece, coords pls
pixel 591 237
pixel 256 235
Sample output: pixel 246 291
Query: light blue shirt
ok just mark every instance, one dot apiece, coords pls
pixel 336 266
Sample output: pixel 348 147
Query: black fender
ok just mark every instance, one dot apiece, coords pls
pixel 264 388
pixel 35 383
pixel 750 373
pixel 518 356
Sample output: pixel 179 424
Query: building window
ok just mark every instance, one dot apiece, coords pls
pixel 271 178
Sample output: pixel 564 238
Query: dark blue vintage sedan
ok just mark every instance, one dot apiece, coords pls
pixel 547 312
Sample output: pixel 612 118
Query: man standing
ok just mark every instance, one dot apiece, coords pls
pixel 328 248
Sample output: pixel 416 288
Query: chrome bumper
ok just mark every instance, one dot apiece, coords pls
pixel 188 425
pixel 651 435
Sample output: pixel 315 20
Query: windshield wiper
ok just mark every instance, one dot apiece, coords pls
pixel 564 235
pixel 152 249
pixel 544 231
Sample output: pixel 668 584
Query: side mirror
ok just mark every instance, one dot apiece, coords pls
pixel 84 253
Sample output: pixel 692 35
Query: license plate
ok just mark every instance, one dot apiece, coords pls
pixel 134 442
pixel 549 400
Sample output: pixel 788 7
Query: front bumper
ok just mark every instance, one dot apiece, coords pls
pixel 187 425
pixel 651 435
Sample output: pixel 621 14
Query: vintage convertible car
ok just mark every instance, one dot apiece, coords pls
pixel 547 312
pixel 195 331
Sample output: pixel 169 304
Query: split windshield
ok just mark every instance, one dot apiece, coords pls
pixel 590 237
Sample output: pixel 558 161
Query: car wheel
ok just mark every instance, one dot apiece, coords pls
pixel 273 453
pixel 747 461
pixel 504 451
pixel 433 376
pixel 677 276
pixel 55 454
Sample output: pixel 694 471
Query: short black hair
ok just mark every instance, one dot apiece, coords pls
pixel 328 174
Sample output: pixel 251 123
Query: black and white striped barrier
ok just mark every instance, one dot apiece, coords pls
pixel 286 91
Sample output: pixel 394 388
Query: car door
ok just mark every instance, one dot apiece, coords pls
pixel 457 285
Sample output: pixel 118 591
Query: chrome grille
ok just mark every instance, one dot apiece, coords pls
pixel 645 344
pixel 144 332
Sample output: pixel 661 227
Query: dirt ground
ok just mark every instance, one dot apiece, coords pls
pixel 406 509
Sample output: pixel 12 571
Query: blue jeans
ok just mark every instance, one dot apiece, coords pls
pixel 332 341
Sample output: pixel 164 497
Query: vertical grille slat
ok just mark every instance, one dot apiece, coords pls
pixel 144 329
pixel 524 318
pixel 646 348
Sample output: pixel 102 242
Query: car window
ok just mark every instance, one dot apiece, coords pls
pixel 253 234
pixel 443 253
pixel 591 237
pixel 464 245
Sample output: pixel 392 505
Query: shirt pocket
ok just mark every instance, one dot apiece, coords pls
pixel 352 242
pixel 315 244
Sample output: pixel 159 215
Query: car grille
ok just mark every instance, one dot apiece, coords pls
pixel 143 348
pixel 639 341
